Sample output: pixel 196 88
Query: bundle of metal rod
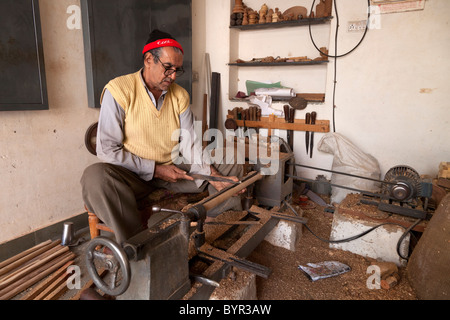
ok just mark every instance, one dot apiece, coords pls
pixel 27 268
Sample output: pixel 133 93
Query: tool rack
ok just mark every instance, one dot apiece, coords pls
pixel 272 122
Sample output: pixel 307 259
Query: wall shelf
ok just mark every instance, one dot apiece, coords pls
pixel 309 97
pixel 278 64
pixel 244 69
pixel 282 24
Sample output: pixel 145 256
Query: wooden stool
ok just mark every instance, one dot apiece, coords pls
pixel 161 197
pixel 95 225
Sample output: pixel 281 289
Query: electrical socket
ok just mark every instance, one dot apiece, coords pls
pixel 357 26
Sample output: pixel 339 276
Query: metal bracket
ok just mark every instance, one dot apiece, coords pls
pixel 208 251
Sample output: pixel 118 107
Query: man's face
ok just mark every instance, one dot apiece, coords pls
pixel 157 74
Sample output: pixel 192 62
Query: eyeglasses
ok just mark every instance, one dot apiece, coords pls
pixel 169 69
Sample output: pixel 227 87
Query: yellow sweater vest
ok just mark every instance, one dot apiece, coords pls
pixel 149 133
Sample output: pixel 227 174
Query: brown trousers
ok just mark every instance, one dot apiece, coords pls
pixel 112 193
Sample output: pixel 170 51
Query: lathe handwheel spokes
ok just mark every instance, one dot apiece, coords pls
pixel 115 262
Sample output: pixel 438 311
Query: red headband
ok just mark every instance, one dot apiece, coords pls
pixel 162 43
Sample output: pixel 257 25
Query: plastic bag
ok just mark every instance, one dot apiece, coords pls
pixel 253 85
pixel 322 270
pixel 349 159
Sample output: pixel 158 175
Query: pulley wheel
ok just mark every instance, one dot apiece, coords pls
pixel 90 138
pixel 113 260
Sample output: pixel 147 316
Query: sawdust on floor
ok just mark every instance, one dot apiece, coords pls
pixel 287 282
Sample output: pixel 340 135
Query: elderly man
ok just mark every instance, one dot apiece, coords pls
pixel 140 112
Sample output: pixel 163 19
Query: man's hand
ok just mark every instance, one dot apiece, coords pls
pixel 170 173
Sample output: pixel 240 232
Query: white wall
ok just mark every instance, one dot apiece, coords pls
pixel 42 153
pixel 391 93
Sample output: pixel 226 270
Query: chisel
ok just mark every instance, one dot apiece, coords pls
pixel 286 118
pixel 313 121
pixel 291 120
pixel 307 121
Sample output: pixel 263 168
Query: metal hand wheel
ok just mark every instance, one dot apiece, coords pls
pixel 116 263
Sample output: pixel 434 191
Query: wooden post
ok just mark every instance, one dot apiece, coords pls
pixel 93 222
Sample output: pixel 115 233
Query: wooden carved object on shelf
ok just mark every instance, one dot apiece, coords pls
pixel 245 19
pixel 298 12
pixel 252 17
pixel 320 9
pixel 269 16
pixel 279 14
pixel 262 13
pixel 236 19
pixel 328 7
pixel 323 9
pixel 238 6
pixel 274 17
pixel 262 18
pixel 324 53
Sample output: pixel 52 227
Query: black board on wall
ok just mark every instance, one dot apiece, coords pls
pixel 115 32
pixel 22 72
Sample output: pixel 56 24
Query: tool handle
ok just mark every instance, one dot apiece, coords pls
pixel 291 115
pixel 308 118
pixel 286 112
pixel 313 117
pixel 235 113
